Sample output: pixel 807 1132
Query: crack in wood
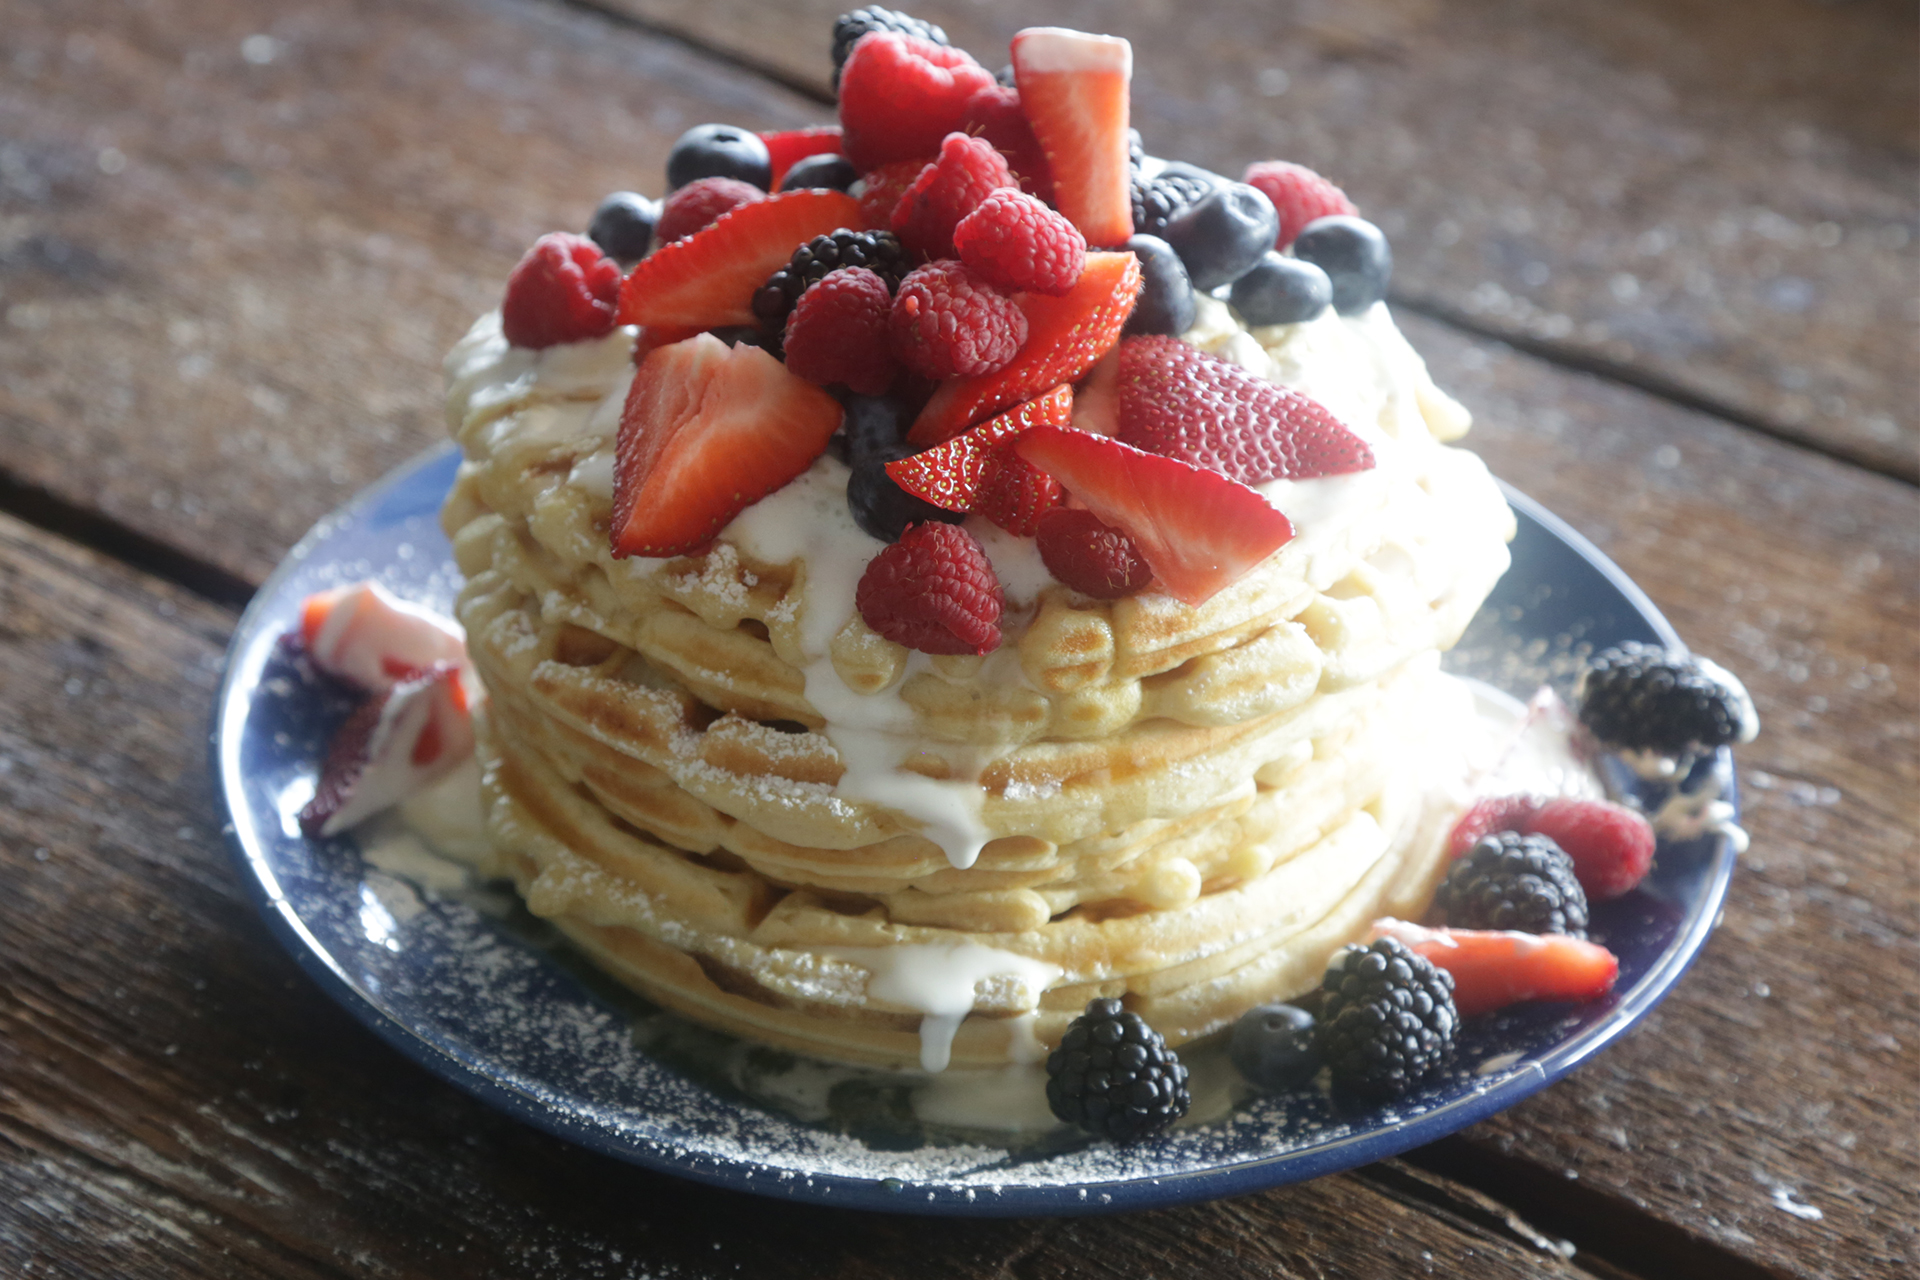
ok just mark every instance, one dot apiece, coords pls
pixel 805 86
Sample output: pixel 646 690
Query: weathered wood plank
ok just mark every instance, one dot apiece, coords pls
pixel 1715 198
pixel 176 1100
pixel 224 337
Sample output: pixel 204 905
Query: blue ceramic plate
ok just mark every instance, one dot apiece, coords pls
pixel 469 986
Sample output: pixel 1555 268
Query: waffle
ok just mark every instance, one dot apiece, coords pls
pixel 712 776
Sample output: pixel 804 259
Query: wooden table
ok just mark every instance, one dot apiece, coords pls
pixel 1664 248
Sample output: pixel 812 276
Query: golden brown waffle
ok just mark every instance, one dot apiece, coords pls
pixel 1190 808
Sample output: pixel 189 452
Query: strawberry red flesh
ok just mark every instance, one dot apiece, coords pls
pixel 708 279
pixel 1495 968
pixel 707 431
pixel 1074 93
pixel 1200 531
pixel 1066 336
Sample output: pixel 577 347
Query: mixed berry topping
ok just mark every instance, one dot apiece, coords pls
pixel 1387 1019
pixel 933 590
pixel 965 249
pixel 877 251
pixel 1646 697
pixel 1511 881
pixel 1114 1076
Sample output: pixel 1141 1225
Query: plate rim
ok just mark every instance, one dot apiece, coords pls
pixel 1047 1199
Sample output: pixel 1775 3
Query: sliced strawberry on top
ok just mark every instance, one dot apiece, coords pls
pixel 951 475
pixel 707 431
pixel 1200 531
pixel 1073 90
pixel 1177 400
pixel 899 95
pixel 786 146
pixel 708 279
pixel 1493 968
pixel 1066 336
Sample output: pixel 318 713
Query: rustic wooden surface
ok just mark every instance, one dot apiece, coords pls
pixel 228 267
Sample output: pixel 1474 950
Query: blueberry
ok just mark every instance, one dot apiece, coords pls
pixel 830 171
pixel 1166 296
pixel 882 507
pixel 871 423
pixel 1222 235
pixel 1281 290
pixel 1355 257
pixel 719 151
pixel 623 225
pixel 1272 1046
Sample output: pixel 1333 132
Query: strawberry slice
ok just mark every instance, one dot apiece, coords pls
pixel 395 743
pixel 1177 400
pixel 708 430
pixel 789 145
pixel 1073 90
pixel 1200 531
pixel 363 634
pixel 708 279
pixel 1493 968
pixel 1066 336
pixel 952 475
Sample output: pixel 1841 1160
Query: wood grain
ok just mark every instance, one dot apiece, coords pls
pixel 1714 198
pixel 177 1100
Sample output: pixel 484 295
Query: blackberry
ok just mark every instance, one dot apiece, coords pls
pixel 1511 881
pixel 1158 201
pixel 1387 1021
pixel 1649 697
pixel 1114 1076
pixel 877 251
pixel 849 27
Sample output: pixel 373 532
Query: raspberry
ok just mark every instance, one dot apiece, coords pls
pixel 878 251
pixel 564 290
pixel 1017 495
pixel 995 114
pixel 849 27
pixel 934 591
pixel 884 187
pixel 1488 816
pixel 899 95
pixel 698 204
pixel 838 332
pixel 1299 195
pixel 946 191
pixel 1611 846
pixel 1014 241
pixel 946 324
pixel 1091 556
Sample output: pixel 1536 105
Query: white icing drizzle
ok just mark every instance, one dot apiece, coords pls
pixel 938 981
